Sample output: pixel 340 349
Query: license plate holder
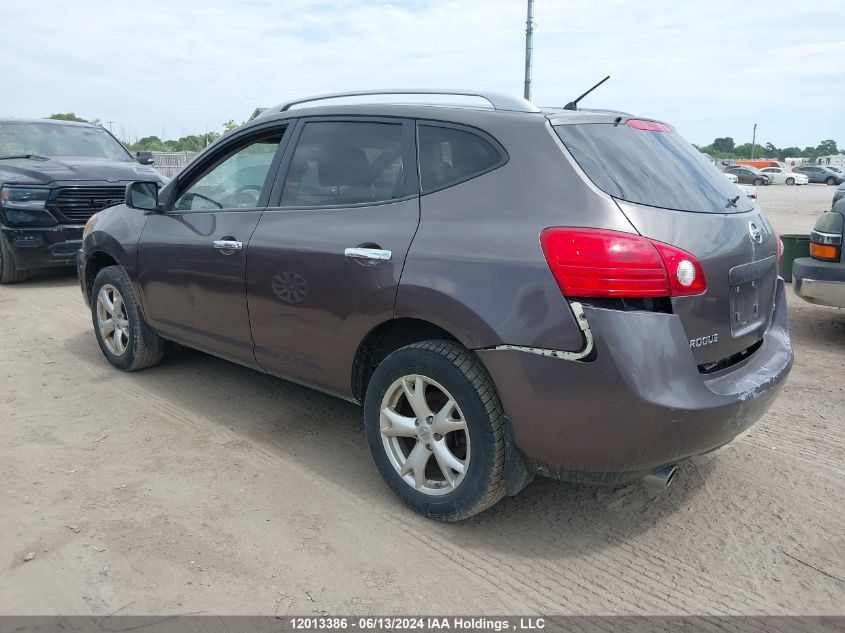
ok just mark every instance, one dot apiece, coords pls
pixel 746 309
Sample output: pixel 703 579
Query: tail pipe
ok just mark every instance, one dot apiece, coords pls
pixel 660 479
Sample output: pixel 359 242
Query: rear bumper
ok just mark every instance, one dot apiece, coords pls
pixel 822 283
pixel 44 247
pixel 640 404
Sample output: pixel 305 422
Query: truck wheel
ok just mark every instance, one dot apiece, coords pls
pixel 433 421
pixel 9 273
pixel 124 337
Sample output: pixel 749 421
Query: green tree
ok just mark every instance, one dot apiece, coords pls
pixel 725 144
pixel 229 125
pixel 771 150
pixel 827 147
pixel 67 116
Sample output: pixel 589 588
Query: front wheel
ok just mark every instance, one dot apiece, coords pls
pixel 124 337
pixel 9 273
pixel 757 182
pixel 790 181
pixel 831 181
pixel 433 421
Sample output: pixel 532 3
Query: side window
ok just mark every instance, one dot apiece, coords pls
pixel 233 182
pixel 346 162
pixel 449 155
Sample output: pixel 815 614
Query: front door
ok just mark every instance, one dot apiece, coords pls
pixel 325 261
pixel 192 256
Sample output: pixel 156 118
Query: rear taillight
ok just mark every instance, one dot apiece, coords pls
pixel 600 263
pixel 779 247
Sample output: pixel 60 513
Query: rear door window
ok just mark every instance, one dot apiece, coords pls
pixel 650 167
pixel 450 155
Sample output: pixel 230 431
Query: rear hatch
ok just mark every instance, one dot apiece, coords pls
pixel 672 194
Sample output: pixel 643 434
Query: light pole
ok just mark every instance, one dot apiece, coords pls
pixel 529 47
pixel 753 140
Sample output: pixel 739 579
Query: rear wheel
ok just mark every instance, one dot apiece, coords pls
pixel 790 181
pixel 433 421
pixel 831 181
pixel 124 337
pixel 9 273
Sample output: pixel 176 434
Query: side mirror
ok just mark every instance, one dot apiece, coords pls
pixel 145 157
pixel 142 195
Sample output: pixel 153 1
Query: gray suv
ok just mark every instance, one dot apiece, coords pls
pixel 508 291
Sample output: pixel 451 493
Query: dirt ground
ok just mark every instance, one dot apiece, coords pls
pixel 199 486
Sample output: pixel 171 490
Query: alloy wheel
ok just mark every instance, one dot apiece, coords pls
pixel 425 435
pixel 112 320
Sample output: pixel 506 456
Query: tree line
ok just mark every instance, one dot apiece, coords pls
pixel 725 147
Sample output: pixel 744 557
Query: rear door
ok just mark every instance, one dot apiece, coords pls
pixel 192 257
pixel 325 261
pixel 670 193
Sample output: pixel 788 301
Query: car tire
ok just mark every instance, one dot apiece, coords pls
pixel 830 181
pixel 790 181
pixel 124 337
pixel 403 419
pixel 757 182
pixel 9 273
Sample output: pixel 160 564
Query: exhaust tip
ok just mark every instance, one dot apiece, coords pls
pixel 661 478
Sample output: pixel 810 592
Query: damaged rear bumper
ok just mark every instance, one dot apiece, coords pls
pixel 640 403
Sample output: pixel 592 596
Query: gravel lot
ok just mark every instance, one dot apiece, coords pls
pixel 794 209
pixel 202 487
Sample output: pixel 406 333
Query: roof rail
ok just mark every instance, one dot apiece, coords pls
pixel 497 100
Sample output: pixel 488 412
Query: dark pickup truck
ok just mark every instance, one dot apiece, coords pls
pixel 820 278
pixel 54 175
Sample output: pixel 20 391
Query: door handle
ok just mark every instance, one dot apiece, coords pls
pixel 368 253
pixel 227 245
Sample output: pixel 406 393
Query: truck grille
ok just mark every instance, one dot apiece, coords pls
pixel 77 204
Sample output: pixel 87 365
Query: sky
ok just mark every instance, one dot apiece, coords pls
pixel 176 67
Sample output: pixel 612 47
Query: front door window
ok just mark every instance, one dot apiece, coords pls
pixel 236 181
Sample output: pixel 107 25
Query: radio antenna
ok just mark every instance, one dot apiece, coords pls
pixel 573 105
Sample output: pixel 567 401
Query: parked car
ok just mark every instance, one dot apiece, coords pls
pixel 820 278
pixel 748 175
pixel 780 176
pixel 820 173
pixel 761 163
pixel 53 176
pixel 731 177
pixel 838 194
pixel 507 291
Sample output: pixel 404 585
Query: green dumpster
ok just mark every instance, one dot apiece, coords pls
pixel 794 246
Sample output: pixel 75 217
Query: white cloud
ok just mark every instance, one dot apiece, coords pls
pixel 712 68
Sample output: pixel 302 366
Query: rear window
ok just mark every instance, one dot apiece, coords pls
pixel 658 169
pixel 449 156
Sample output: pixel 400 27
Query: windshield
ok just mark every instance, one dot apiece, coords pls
pixel 51 139
pixel 655 168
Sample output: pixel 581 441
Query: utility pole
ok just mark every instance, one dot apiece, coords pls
pixel 529 48
pixel 753 140
pixel 110 124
